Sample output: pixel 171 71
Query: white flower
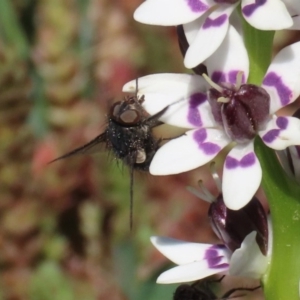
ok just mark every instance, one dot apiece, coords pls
pixel 246 248
pixel 190 109
pixel 290 158
pixel 206 22
pixel 196 261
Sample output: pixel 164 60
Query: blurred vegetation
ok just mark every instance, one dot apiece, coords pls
pixel 64 227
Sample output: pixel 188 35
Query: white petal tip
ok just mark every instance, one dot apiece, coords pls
pixel 129 87
pixel 236 205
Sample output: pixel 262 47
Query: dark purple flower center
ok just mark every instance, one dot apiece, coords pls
pixel 244 112
pixel 232 226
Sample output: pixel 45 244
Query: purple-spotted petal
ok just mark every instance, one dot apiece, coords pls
pixel 209 37
pixel 189 151
pixel 241 176
pixel 281 132
pixel 194 112
pixel 193 271
pixel 181 252
pixel 186 95
pixel 266 14
pixel 248 260
pixel 191 29
pixel 283 77
pixel 170 12
pixel 230 58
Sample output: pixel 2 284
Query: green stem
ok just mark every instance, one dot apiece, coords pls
pixel 259 45
pixel 11 30
pixel 281 281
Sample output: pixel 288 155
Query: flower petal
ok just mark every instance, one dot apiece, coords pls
pixel 166 85
pixel 189 151
pixel 170 12
pixel 193 271
pixel 282 78
pixel 267 14
pixel 230 58
pixel 248 260
pixel 209 37
pixel 281 132
pixel 186 95
pixel 241 176
pixel 191 29
pixel 181 252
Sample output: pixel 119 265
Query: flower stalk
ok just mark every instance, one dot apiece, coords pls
pixel 259 45
pixel 282 277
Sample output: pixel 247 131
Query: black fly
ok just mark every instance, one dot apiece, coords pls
pixel 200 290
pixel 128 135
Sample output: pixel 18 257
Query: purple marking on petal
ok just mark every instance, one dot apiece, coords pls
pixel 232 76
pixel 248 10
pixel 219 21
pixel 247 161
pixel 282 122
pixel 213 257
pixel 193 113
pixel 208 148
pixel 214 262
pixel 284 93
pixel 211 253
pixel 200 136
pixel 271 135
pixel 197 6
pixel 231 163
pixel 218 77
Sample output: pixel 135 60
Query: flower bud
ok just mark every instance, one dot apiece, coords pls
pixel 232 226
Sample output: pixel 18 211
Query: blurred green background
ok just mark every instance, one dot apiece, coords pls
pixel 64 227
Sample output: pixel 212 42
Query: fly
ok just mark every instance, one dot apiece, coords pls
pixel 128 135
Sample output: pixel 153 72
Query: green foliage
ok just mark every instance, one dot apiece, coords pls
pixel 49 282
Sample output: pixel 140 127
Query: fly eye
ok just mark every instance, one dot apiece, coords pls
pixel 124 114
pixel 130 117
pixel 115 110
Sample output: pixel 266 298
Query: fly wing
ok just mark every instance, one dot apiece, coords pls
pixel 153 121
pixel 95 145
